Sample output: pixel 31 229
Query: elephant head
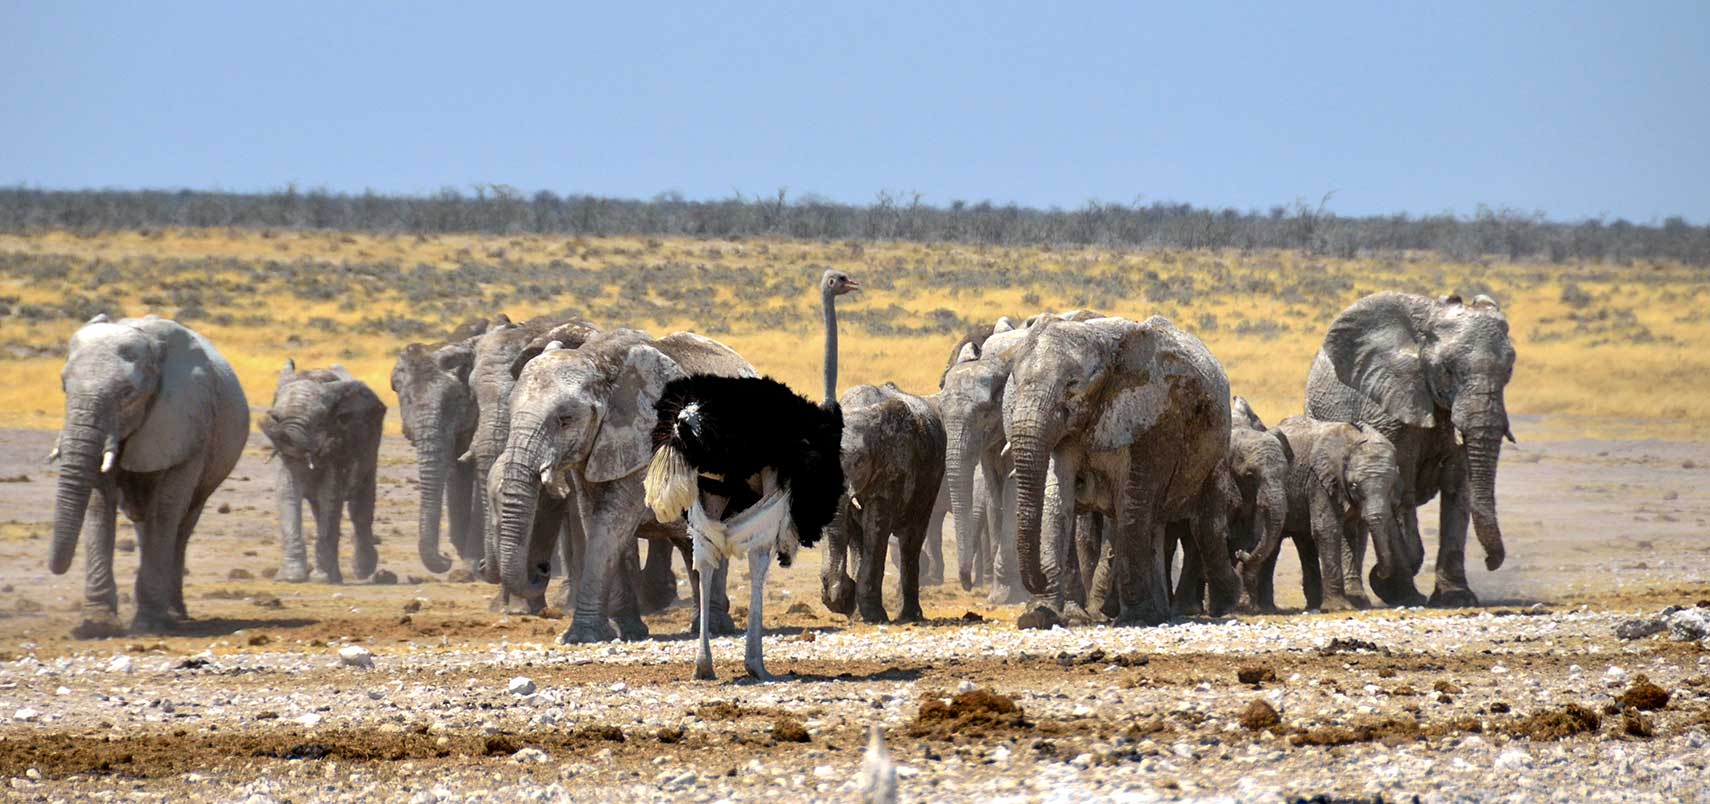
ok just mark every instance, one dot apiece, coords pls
pixel 315 413
pixel 971 404
pixel 1258 463
pixel 1435 362
pixel 577 415
pixel 437 407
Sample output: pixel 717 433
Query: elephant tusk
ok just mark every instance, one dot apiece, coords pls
pixel 311 460
pixel 53 456
pixel 467 456
pixel 1509 434
pixel 107 461
pixel 855 501
pixel 546 472
pixel 1004 453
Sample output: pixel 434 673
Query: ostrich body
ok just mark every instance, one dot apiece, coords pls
pixel 755 466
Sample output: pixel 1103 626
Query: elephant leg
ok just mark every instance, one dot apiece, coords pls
pixel 326 507
pixel 489 565
pixel 1390 580
pixel 1006 564
pixel 1452 590
pixel 572 544
pixel 968 570
pixel 164 504
pixel 366 556
pixel 622 601
pixel 1326 518
pixel 658 589
pixel 1258 567
pixel 932 560
pixel 100 592
pixel 836 588
pixel 180 548
pixel 870 572
pixel 1088 546
pixel 290 499
pixel 1105 598
pixel 1210 531
pixel 1189 596
pixel 1311 579
pixel 912 546
pixel 610 514
pixel 1140 546
pixel 1267 583
pixel 464 507
pixel 1354 558
pixel 759 562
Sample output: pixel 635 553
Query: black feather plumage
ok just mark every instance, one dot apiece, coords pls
pixel 736 426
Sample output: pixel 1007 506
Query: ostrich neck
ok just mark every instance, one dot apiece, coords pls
pixel 829 302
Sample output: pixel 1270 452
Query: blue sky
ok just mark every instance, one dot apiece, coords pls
pixel 1576 109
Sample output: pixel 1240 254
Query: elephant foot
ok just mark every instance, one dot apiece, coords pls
pixel 292 573
pixel 874 613
pixel 839 598
pixel 1397 592
pixel 966 578
pixel 1006 596
pixel 632 629
pixel 910 614
pixel 1453 598
pixel 1038 618
pixel 1140 615
pixel 1075 614
pixel 1187 610
pixel 722 625
pixel 366 562
pixel 581 632
pixel 155 622
pixel 98 623
pixel 334 578
pixel 1336 603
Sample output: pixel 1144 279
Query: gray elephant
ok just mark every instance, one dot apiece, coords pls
pixel 1258 466
pixel 1126 419
pixel 439 414
pixel 893 461
pixel 325 426
pixel 154 421
pixel 1430 375
pixel 1343 488
pixel 581 424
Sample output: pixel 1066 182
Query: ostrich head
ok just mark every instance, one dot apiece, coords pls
pixel 837 283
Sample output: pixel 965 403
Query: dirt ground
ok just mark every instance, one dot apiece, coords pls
pixel 1519 700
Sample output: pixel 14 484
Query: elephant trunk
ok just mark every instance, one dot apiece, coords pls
pixel 1032 456
pixel 84 449
pixel 516 496
pixel 433 459
pixel 960 462
pixel 1484 447
pixel 836 588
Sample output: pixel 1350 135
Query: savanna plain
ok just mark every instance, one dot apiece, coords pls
pixel 1533 696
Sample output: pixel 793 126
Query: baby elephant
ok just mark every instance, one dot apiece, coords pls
pixel 1343 486
pixel 325 428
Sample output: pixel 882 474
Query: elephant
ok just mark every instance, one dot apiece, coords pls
pixel 1123 418
pixel 1343 486
pixel 1255 477
pixel 893 460
pixel 154 421
pixel 1429 374
pixel 439 414
pixel 978 469
pixel 581 423
pixel 325 426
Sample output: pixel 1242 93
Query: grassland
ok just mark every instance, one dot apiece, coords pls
pixel 1605 348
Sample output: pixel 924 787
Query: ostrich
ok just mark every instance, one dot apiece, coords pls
pixel 755 466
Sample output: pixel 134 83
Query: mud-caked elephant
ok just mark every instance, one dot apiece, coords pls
pixel 438 410
pixel 325 426
pixel 1126 419
pixel 581 424
pixel 893 462
pixel 154 421
pixel 1430 375
pixel 1343 489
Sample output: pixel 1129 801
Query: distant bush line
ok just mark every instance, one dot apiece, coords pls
pixel 497 209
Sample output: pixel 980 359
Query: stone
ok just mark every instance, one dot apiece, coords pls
pixel 121 664
pixel 521 686
pixel 355 656
pixel 531 755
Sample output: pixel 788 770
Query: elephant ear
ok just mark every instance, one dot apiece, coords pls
pixel 1135 393
pixel 1331 450
pixel 1375 346
pixel 182 409
pixel 456 359
pixel 624 441
pixel 355 403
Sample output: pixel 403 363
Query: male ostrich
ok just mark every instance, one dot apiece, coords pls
pixel 756 468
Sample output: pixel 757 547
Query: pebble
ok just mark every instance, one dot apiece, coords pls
pixel 311 719
pixel 26 715
pixel 121 664
pixel 355 656
pixel 521 686
pixel 530 755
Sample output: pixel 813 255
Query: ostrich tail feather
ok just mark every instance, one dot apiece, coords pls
pixel 670 483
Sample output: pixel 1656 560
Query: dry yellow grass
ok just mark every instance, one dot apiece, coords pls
pixel 1604 349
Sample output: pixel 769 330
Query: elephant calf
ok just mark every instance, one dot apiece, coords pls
pixel 1343 485
pixel 325 426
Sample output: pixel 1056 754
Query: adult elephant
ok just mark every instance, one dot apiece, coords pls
pixel 1126 419
pixel 439 414
pixel 581 423
pixel 325 426
pixel 978 468
pixel 893 461
pixel 154 421
pixel 1430 375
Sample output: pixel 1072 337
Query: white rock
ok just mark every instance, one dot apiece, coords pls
pixel 26 715
pixel 619 687
pixel 684 779
pixel 530 755
pixel 521 685
pixel 62 691
pixel 355 656
pixel 966 686
pixel 1614 676
pixel 311 719
pixel 1082 761
pixel 1514 759
pixel 121 664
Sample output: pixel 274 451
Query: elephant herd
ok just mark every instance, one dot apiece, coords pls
pixel 1076 453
